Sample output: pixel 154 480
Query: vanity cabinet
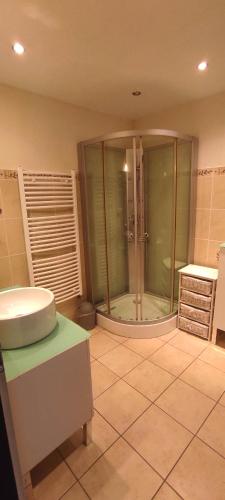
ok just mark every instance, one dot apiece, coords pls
pixel 50 392
pixel 197 287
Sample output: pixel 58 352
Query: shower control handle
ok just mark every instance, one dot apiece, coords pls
pixel 130 236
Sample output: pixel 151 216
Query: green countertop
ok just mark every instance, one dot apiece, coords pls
pixel 66 334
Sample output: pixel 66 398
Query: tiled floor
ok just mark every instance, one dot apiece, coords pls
pixel 158 427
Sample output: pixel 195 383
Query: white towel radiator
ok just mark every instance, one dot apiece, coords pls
pixel 50 221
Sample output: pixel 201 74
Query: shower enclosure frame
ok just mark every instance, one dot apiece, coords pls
pixel 148 328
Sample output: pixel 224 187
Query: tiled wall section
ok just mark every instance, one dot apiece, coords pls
pixel 210 215
pixel 209 233
pixel 13 262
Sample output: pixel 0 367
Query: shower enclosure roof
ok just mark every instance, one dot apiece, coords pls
pixel 151 137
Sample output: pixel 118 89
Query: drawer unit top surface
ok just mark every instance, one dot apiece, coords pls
pixel 207 273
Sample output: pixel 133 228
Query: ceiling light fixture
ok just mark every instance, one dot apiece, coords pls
pixel 18 48
pixel 202 66
pixel 136 93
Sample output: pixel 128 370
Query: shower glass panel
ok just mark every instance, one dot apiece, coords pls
pixel 184 161
pixel 158 165
pixel 119 209
pixel 138 190
pixel 93 156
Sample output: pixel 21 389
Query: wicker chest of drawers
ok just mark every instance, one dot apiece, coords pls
pixel 197 287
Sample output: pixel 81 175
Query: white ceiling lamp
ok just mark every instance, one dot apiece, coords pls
pixel 18 48
pixel 202 66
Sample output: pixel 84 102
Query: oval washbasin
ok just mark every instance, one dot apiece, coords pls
pixel 26 315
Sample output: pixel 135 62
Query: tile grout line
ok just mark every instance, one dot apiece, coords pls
pixel 144 358
pixel 151 403
pixel 195 436
pixel 177 377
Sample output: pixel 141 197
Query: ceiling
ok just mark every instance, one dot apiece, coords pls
pixel 94 53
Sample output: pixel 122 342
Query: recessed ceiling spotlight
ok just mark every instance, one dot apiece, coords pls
pixel 18 48
pixel 136 93
pixel 202 66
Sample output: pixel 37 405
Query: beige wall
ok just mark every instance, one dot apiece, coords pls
pixel 210 215
pixel 41 133
pixel 36 133
pixel 204 119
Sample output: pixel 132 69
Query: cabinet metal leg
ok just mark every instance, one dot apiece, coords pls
pixel 87 433
pixel 27 485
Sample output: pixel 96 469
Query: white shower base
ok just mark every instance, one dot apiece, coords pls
pixel 124 309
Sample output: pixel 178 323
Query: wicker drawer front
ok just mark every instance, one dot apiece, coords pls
pixel 193 327
pixel 195 314
pixel 196 285
pixel 195 299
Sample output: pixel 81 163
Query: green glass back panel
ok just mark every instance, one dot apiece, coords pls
pixel 184 156
pixel 115 195
pixel 158 192
pixel 96 224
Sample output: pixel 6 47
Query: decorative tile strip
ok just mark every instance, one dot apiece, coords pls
pixel 210 171
pixel 219 170
pixel 8 174
pixel 204 171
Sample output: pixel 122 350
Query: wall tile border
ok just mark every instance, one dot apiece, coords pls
pixel 210 171
pixel 8 174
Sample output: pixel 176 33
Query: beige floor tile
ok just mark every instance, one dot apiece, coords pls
pixel 171 359
pixel 144 347
pixel 206 378
pixel 121 360
pixel 121 474
pixel 215 356
pixel 100 344
pixel 121 405
pixel 189 343
pixel 159 439
pixel 102 378
pixel 77 493
pixel 80 457
pixel 94 330
pixel 166 493
pixel 51 478
pixel 222 400
pixel 199 474
pixel 117 338
pixel 187 405
pixel 213 430
pixel 149 379
pixel 169 336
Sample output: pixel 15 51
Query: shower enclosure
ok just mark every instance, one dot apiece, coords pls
pixel 138 193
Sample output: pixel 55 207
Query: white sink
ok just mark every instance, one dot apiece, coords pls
pixel 26 316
